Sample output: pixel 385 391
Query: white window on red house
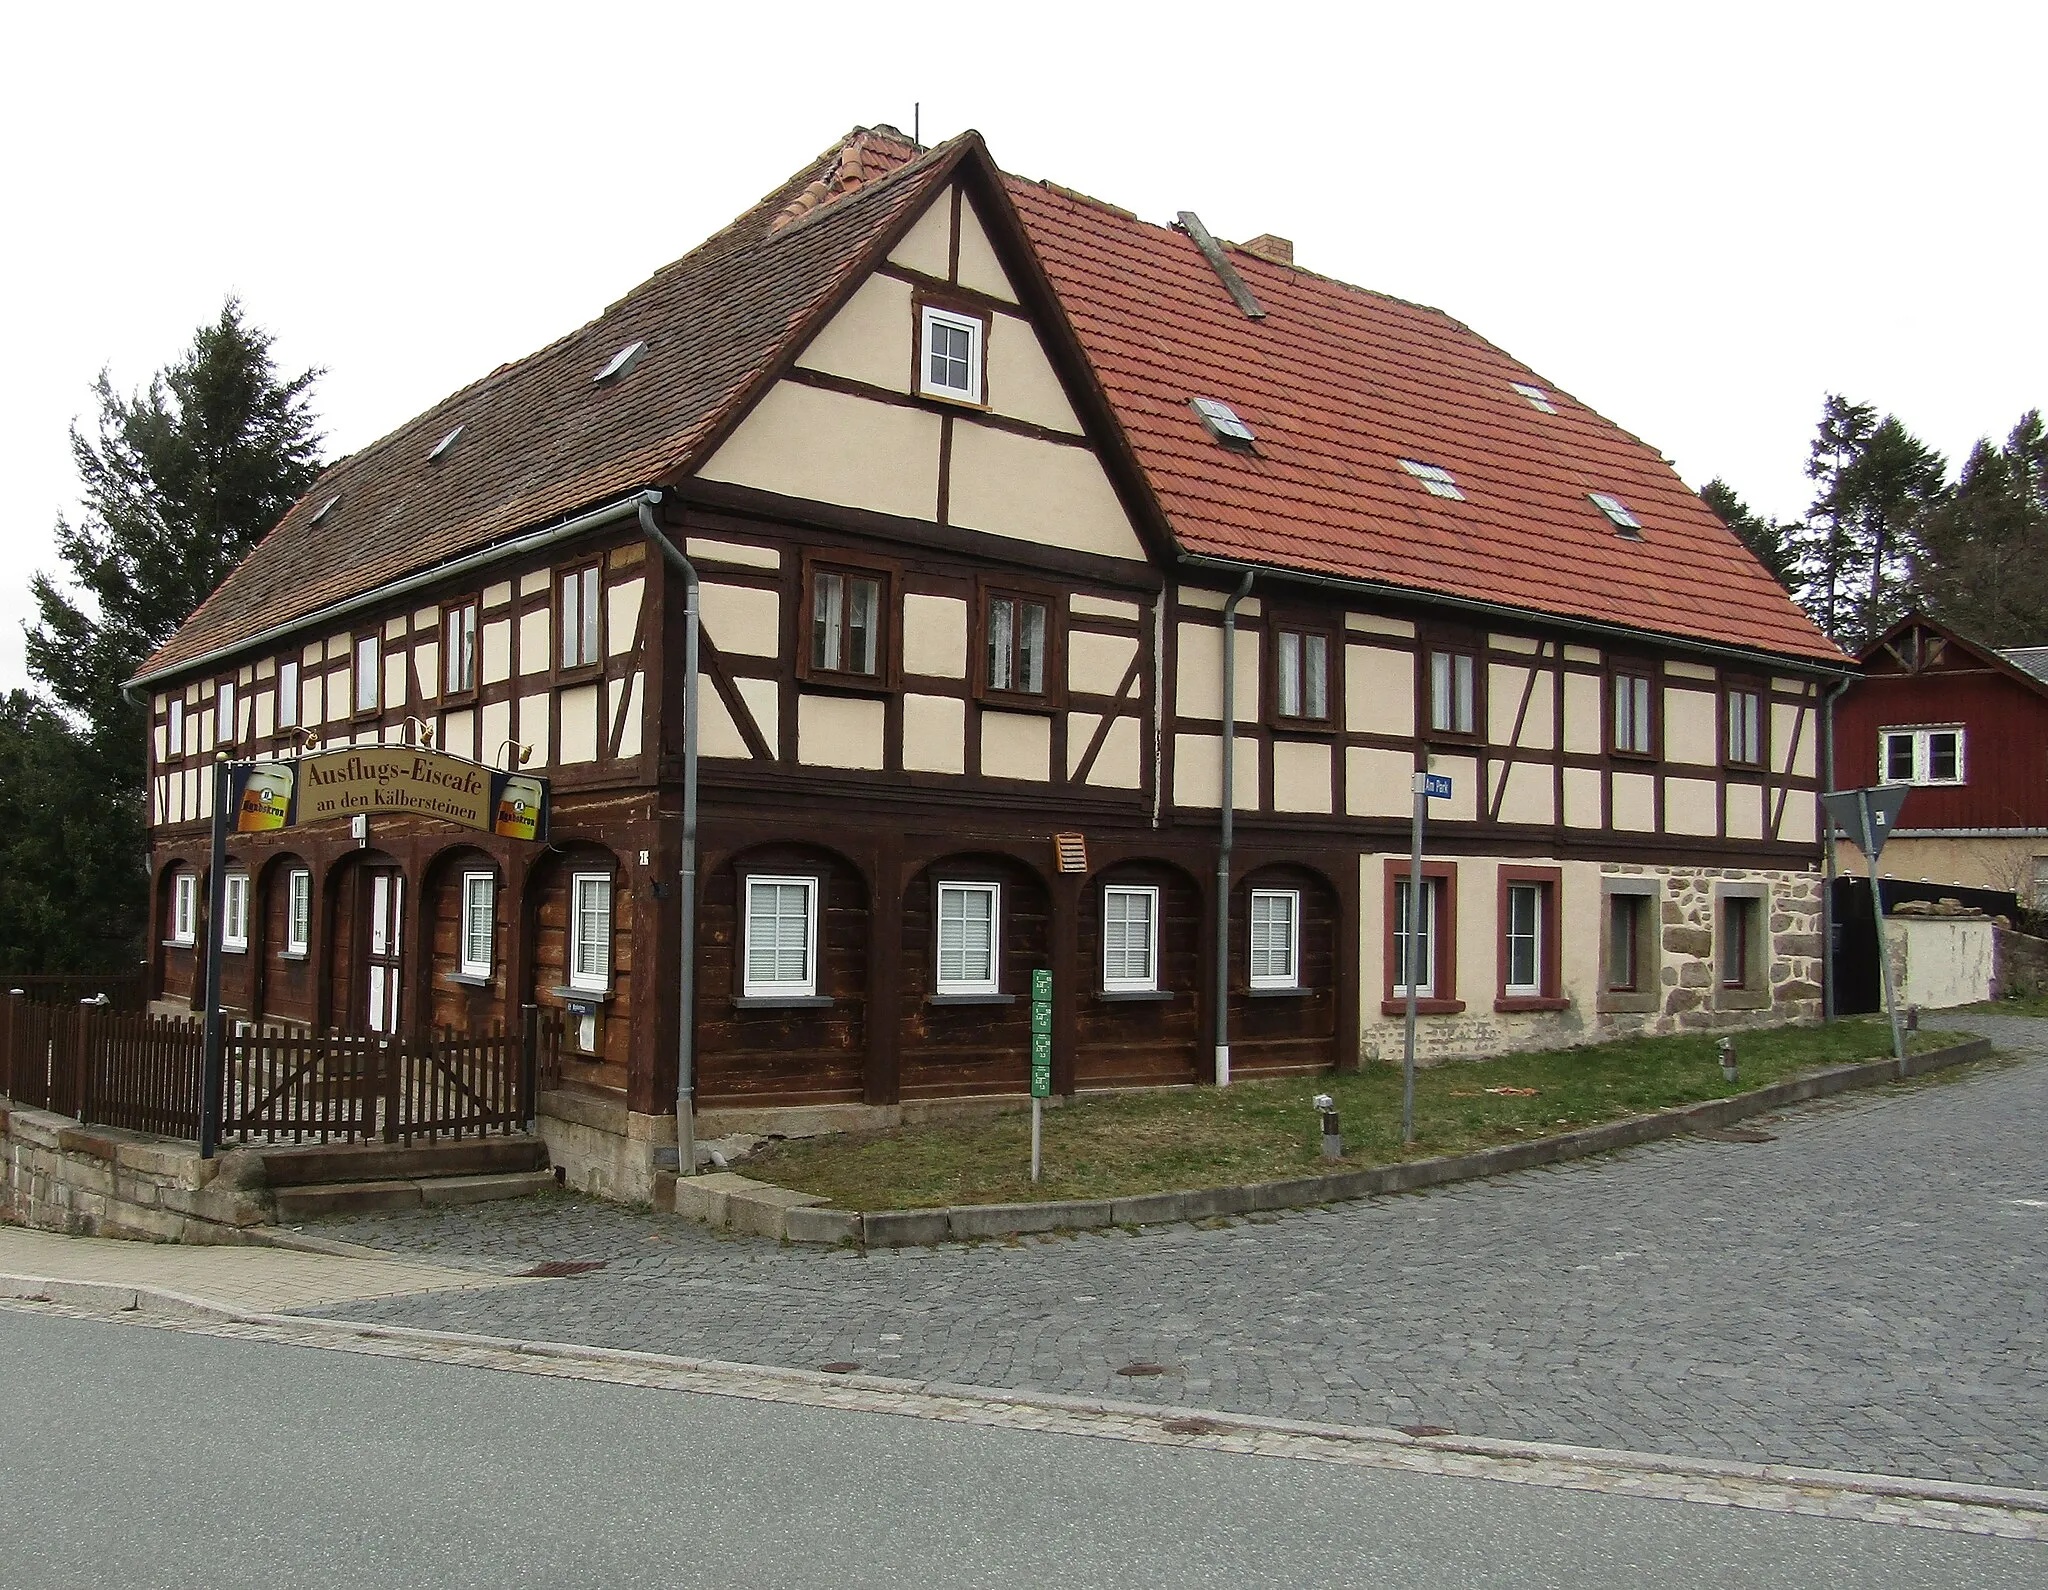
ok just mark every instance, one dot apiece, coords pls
pixel 1276 938
pixel 1921 755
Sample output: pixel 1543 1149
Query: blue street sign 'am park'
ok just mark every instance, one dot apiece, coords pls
pixel 1437 786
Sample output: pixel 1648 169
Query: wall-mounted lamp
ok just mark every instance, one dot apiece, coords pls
pixel 308 741
pixel 525 754
pixel 425 737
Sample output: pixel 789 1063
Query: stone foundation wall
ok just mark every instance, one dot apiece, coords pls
pixel 602 1147
pixel 97 1181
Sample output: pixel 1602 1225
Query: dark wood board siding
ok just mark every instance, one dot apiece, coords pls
pixel 951 1051
pixel 466 1009
pixel 287 982
pixel 347 904
pixel 2005 743
pixel 1273 1034
pixel 1141 1042
pixel 549 897
pixel 810 1055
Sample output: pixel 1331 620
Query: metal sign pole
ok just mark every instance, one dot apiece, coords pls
pixel 211 1063
pixel 1410 970
pixel 1041 1060
pixel 1884 948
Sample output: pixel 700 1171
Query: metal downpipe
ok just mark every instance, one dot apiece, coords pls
pixel 1228 833
pixel 1827 877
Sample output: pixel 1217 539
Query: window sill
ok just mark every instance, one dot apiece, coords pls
pixel 954 400
pixel 471 980
pixel 180 944
pixel 1621 1003
pixel 294 955
pixel 1134 996
pixel 1304 728
pixel 1631 756
pixel 1296 992
pixel 996 701
pixel 1423 1007
pixel 581 674
pixel 1512 1004
pixel 851 684
pixel 781 1001
pixel 583 996
pixel 971 999
pixel 234 949
pixel 1743 999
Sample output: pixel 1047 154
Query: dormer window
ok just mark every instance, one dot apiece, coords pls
pixel 950 354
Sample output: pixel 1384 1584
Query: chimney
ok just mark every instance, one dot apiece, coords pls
pixel 1280 250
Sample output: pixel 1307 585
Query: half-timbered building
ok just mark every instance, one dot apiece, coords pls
pixel 1076 593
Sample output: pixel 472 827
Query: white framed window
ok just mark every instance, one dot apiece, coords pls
pixel 1130 938
pixel 458 646
pixel 1633 708
pixel 1453 692
pixel 185 908
pixel 234 920
pixel 1301 675
pixel 1017 630
pixel 1931 755
pixel 174 734
pixel 298 920
pixel 369 675
pixel 1745 746
pixel 781 947
pixel 950 345
pixel 224 713
pixel 1276 938
pixel 590 931
pixel 970 931
pixel 1424 956
pixel 846 622
pixel 1524 934
pixel 479 915
pixel 288 694
pixel 579 618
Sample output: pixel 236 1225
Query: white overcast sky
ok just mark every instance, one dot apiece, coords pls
pixel 1697 218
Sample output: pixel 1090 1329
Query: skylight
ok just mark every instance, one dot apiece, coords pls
pixel 1539 400
pixel 1436 481
pixel 1617 510
pixel 621 362
pixel 443 445
pixel 1222 422
pixel 324 510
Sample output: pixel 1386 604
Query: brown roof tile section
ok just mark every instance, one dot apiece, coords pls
pixel 1340 385
pixel 539 440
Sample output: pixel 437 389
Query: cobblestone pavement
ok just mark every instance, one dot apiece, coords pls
pixel 1865 1292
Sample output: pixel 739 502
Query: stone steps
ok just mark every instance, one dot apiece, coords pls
pixel 382 1162
pixel 374 1197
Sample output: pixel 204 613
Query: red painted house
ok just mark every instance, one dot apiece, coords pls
pixel 1967 727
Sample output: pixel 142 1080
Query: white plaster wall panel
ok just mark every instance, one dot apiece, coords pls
pixel 1463 772
pixel 1799 822
pixel 1198 686
pixel 1379 690
pixel 1581 919
pixel 205 792
pixel 1080 730
pixel 1046 493
pixel 979 268
pixel 498 595
pixel 266 714
pixel 1581 654
pixel 1689 728
pixel 1688 670
pixel 174 798
pixel 1198 772
pixel 312 655
pixel 1515 643
pixel 337 696
pixel 248 673
pixel 1118 765
pixel 1745 811
pixel 705 549
pixel 1016 745
pixel 533 729
pixel 717 734
pixel 839 731
pixel 935 636
pixel 1582 798
pixel 458 733
pixel 1786 721
pixel 426 620
pixel 312 702
pixel 1376 781
pixel 829 447
pixel 192 693
pixel 1635 802
pixel 636 716
pixel 1301 776
pixel 928 245
pixel 394 628
pixel 161 737
pixel 1098 663
pixel 763 701
pixel 1530 795
pixel 534 580
pixel 497 729
pixel 934 734
pixel 1022 384
pixel 1584 727
pixel 1504 682
pixel 392 734
pixel 869 340
pixel 1082 606
pixel 497 658
pixel 1216 601
pixel 622 615
pixel 396 665
pixel 533 642
pixel 579 724
pixel 1690 806
pixel 741 620
pixel 426 670
pixel 1374 624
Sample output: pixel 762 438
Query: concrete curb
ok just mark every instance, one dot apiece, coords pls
pixel 767 1214
pixel 730 1378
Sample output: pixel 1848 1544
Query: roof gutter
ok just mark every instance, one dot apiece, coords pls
pixel 532 540
pixel 1518 615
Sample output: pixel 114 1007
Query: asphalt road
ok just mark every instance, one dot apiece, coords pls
pixel 1867 1291
pixel 151 1458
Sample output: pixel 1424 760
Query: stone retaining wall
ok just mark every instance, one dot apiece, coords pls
pixel 97 1181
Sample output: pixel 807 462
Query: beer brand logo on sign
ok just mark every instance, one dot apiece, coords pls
pixel 389 780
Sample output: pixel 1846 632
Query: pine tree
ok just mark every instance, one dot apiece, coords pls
pixel 1984 562
pixel 181 480
pixel 1771 542
pixel 1829 547
pixel 1891 489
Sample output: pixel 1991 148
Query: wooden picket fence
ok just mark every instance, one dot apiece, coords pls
pixel 280 1085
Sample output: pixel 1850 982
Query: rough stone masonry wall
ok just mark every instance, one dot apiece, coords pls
pixel 56 1175
pixel 1692 999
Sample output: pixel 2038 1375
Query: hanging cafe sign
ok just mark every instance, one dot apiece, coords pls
pixel 391 780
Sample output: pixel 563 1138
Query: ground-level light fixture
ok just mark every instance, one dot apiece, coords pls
pixel 1727 1048
pixel 1333 1136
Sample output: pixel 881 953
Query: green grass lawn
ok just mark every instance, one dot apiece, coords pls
pixel 1260 1131
pixel 2021 1005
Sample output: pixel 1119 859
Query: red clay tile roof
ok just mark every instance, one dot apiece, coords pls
pixel 539 441
pixel 1340 385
